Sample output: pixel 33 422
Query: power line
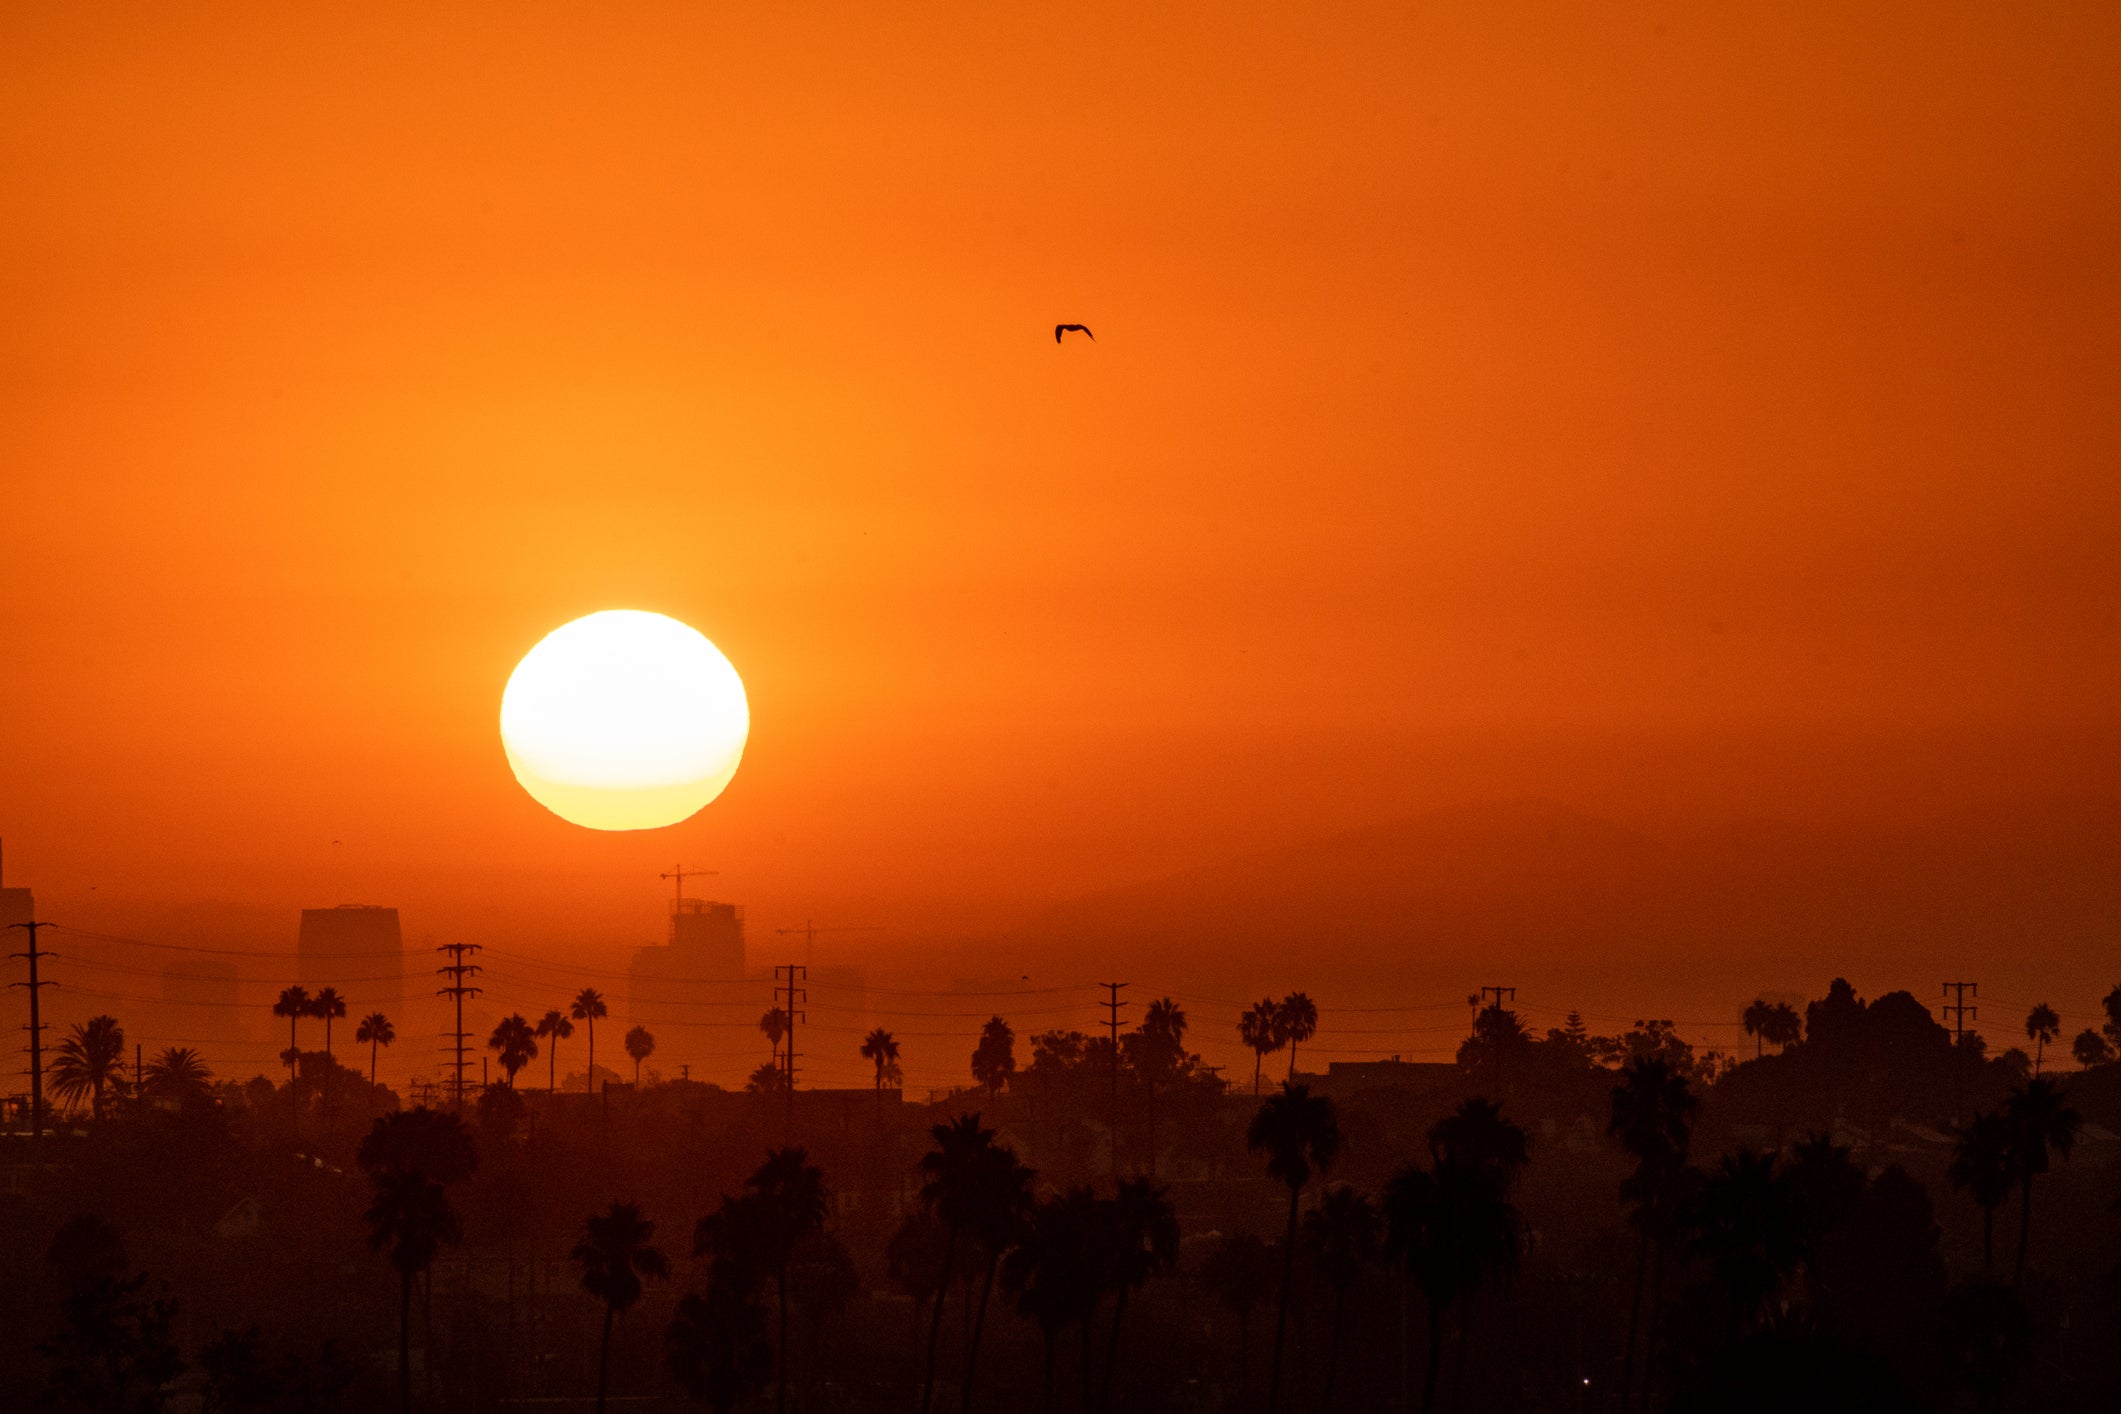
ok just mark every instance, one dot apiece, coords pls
pixel 1112 1004
pixel 1957 1008
pixel 457 969
pixel 796 974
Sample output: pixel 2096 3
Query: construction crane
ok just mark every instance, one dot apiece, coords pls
pixel 809 934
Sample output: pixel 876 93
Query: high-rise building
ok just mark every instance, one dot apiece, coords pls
pixel 16 906
pixel 358 949
pixel 698 976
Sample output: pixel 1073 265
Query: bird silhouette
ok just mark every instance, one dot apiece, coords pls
pixel 1060 329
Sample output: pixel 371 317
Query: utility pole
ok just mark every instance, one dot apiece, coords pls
pixel 789 996
pixel 1958 1010
pixel 1480 1000
pixel 36 1028
pixel 456 970
pixel 1112 1004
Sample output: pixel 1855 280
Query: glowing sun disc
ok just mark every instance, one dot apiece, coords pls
pixel 624 720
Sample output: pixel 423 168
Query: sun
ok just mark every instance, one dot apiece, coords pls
pixel 624 720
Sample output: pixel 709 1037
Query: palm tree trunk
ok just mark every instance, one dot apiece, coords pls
pixel 1627 1359
pixel 592 1056
pixel 371 1059
pixel 935 1319
pixel 1988 1242
pixel 552 1067
pixel 1340 1300
pixel 1281 1314
pixel 604 1358
pixel 405 1341
pixel 1089 1366
pixel 1119 1311
pixel 979 1324
pixel 1292 1060
pixel 2025 1229
pixel 1649 1337
pixel 1258 1059
pixel 780 1398
pixel 1428 1375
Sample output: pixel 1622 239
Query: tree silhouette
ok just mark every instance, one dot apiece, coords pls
pixel 2041 1027
pixel 588 1006
pixel 1299 1133
pixel 791 1205
pixel 716 1344
pixel 2090 1049
pixel 1785 1028
pixel 616 1253
pixel 411 1217
pixel 327 1006
pixel 2041 1126
pixel 640 1044
pixel 913 1261
pixel 1296 1019
pixel 1653 1118
pixel 962 1179
pixel 552 1028
pixel 1982 1165
pixel 1259 1028
pixel 1756 1023
pixel 433 1143
pixel 1238 1272
pixel 294 1004
pixel 179 1076
pixel 881 1048
pixel 1144 1241
pixel 1343 1234
pixel 1056 1272
pixel 994 1058
pixel 514 1043
pixel 113 1348
pixel 768 1079
pixel 375 1030
pixel 87 1062
pixel 1746 1227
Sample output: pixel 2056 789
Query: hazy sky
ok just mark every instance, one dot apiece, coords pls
pixel 1684 415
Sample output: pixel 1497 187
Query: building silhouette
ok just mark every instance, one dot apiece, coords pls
pixel 700 975
pixel 357 948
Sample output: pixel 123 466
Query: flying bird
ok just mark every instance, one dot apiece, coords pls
pixel 1060 329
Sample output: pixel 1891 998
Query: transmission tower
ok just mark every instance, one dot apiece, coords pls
pixel 789 995
pixel 35 1027
pixel 1480 1000
pixel 1112 1004
pixel 456 970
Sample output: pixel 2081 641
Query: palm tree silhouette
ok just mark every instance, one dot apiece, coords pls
pixel 994 1058
pixel 1299 1133
pixel 640 1044
pixel 87 1062
pixel 412 1217
pixel 420 1140
pixel 955 1177
pixel 1343 1234
pixel 1054 1271
pixel 515 1043
pixel 716 1344
pixel 791 1205
pixel 775 1025
pixel 2042 1025
pixel 1746 1226
pixel 1296 1019
pixel 1982 1164
pixel 294 1004
pixel 1259 1028
pixel 552 1028
pixel 616 1253
pixel 178 1075
pixel 327 1005
pixel 588 1006
pixel 1001 1201
pixel 881 1048
pixel 1653 1118
pixel 1158 1049
pixel 1756 1023
pixel 913 1261
pixel 2040 1125
pixel 375 1030
pixel 1784 1027
pixel 1144 1241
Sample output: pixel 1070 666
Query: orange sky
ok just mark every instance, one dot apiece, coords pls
pixel 1684 416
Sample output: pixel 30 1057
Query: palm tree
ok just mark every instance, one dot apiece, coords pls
pixel 1447 1227
pixel 1055 1272
pixel 1299 1132
pixel 294 1004
pixel 1653 1118
pixel 412 1217
pixel 2040 1124
pixel 616 1253
pixel 716 1344
pixel 775 1024
pixel 553 1027
pixel 1784 1026
pixel 1756 1021
pixel 640 1044
pixel 791 1205
pixel 515 1043
pixel 588 1006
pixel 999 1202
pixel 327 1005
pixel 1982 1165
pixel 434 1143
pixel 1296 1020
pixel 994 1058
pixel 881 1048
pixel 179 1075
pixel 87 1062
pixel 2041 1027
pixel 375 1030
pixel 1238 1271
pixel 1343 1235
pixel 1747 1227
pixel 2090 1049
pixel 951 1175
pixel 1260 1030
pixel 1145 1233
